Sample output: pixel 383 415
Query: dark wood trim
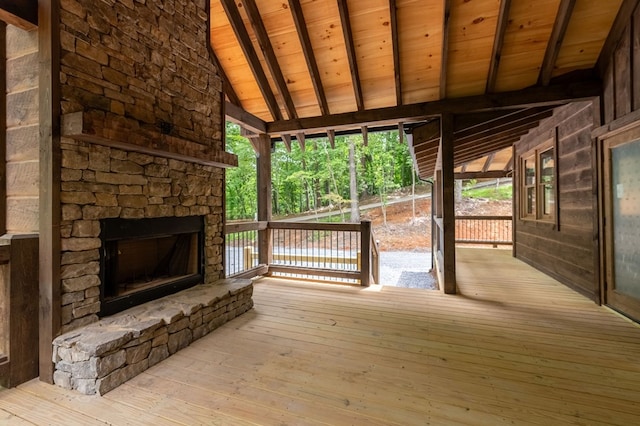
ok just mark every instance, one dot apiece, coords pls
pixel 465 122
pixel 307 50
pixel 50 165
pixel 551 95
pixel 555 42
pixel 448 205
pixel 445 48
pixel 395 42
pixel 3 128
pixel 263 165
pixel 498 41
pixel 319 226
pixel 365 253
pixel 488 161
pixel 80 125
pixel 286 139
pixel 331 134
pixel 251 9
pixel 504 122
pixel 619 25
pixel 20 13
pixel 22 308
pixel 231 227
pixel 351 53
pixel 489 174
pixel 231 9
pixel 252 273
pixel 244 119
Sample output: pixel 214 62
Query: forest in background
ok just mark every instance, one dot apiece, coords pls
pixel 320 176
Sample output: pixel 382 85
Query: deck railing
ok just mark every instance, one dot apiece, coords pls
pixel 346 252
pixel 493 230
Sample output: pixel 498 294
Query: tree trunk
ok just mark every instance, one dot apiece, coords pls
pixel 353 183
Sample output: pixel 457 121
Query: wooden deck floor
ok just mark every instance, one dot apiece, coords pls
pixel 515 347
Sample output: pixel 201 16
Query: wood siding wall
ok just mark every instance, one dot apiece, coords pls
pixel 567 251
pixel 22 151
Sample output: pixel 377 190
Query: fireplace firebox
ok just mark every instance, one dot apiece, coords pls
pixel 145 259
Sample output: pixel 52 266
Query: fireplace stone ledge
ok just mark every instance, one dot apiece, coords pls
pixel 101 356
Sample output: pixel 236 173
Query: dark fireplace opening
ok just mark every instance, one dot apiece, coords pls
pixel 145 259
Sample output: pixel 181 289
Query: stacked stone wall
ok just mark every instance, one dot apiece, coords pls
pixel 99 182
pixel 144 62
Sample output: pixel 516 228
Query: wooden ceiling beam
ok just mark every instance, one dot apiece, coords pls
pixel 286 139
pixel 555 42
pixel 509 165
pixel 244 119
pixel 555 94
pixel 393 12
pixel 331 134
pixel 301 140
pixel 498 41
pixel 351 53
pixel 487 163
pixel 619 24
pixel 231 9
pixel 445 48
pixel 466 122
pixel 400 132
pixel 271 60
pixel 20 13
pixel 527 117
pixel 307 50
pixel 493 174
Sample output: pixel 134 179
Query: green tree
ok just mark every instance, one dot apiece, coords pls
pixel 241 184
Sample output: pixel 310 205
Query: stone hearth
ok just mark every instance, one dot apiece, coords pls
pixel 97 358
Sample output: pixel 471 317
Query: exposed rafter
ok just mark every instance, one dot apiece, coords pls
pixel 244 119
pixel 393 12
pixel 488 161
pixel 331 134
pixel 365 136
pixel 231 9
pixel 555 42
pixel 498 41
pixel 260 31
pixel 445 48
pixel 21 13
pixel 307 50
pixel 493 174
pixel 626 9
pixel 351 53
pixel 534 96
pixel 286 139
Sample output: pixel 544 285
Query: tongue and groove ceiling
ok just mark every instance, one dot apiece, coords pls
pixel 296 67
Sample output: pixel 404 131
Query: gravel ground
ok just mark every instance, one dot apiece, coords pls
pixel 406 269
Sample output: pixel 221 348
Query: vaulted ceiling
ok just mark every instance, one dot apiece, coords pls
pixel 300 67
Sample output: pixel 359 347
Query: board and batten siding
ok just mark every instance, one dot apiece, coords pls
pixel 568 249
pixel 22 151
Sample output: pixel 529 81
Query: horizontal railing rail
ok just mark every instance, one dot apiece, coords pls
pixel 337 251
pixel 493 230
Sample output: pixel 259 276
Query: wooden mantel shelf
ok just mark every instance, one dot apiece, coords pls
pixel 122 133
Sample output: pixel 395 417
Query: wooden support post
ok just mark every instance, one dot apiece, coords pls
pixel 19 283
pixel 50 164
pixel 265 248
pixel 448 204
pixel 365 247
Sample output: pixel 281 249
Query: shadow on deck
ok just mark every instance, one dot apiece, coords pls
pixel 515 347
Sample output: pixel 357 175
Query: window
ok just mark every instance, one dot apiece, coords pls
pixel 538 184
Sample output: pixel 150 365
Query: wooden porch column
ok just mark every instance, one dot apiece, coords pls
pixel 50 164
pixel 263 152
pixel 447 204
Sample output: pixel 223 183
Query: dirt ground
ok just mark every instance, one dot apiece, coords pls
pixel 404 232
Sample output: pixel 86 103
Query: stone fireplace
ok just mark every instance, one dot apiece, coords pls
pixel 145 259
pixel 142 147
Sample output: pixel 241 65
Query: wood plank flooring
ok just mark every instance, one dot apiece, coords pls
pixel 514 347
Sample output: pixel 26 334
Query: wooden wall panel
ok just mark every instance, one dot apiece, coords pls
pixel 22 149
pixel 565 250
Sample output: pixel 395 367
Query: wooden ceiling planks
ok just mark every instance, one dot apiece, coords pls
pixel 471 35
pixel 528 33
pixel 586 34
pixel 236 67
pixel 371 31
pixel 278 22
pixel 420 41
pixel 325 32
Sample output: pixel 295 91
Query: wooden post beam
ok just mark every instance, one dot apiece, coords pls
pixel 265 247
pixel 448 205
